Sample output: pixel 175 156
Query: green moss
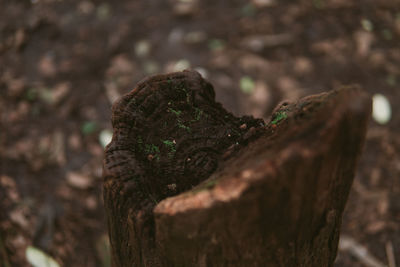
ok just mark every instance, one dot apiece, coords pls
pixel 171 146
pixel 176 112
pixel 181 125
pixel 153 150
pixel 187 94
pixel 197 113
pixel 150 148
pixel 169 143
pixel 279 116
pixel 179 122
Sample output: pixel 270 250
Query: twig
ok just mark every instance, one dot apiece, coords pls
pixel 350 245
pixel 390 254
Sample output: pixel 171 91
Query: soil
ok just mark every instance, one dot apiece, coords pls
pixel 63 63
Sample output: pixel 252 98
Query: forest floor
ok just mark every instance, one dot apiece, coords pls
pixel 62 64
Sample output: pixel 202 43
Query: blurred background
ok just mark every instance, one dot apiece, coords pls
pixel 63 63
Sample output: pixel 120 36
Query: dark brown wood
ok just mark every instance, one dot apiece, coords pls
pixel 188 184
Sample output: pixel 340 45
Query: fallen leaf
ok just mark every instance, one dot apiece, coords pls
pixel 247 85
pixel 367 25
pixel 58 148
pixel 60 91
pixel 181 65
pixel 142 48
pixel 79 180
pixel 38 258
pixel 263 3
pixel 20 38
pixel 47 66
pixel 19 218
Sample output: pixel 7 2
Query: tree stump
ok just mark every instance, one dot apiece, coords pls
pixel 186 183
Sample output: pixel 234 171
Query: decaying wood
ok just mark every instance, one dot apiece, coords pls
pixel 188 184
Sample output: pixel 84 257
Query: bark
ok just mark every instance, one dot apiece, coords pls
pixel 188 184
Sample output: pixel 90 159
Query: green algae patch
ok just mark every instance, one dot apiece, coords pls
pixel 279 116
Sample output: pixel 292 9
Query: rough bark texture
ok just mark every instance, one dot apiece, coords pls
pixel 188 184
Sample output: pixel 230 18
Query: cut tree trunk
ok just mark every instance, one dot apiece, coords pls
pixel 188 184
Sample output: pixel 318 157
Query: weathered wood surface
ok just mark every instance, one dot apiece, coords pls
pixel 188 184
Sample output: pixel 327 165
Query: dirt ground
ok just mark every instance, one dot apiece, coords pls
pixel 62 64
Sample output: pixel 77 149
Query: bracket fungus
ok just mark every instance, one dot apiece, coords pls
pixel 186 183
